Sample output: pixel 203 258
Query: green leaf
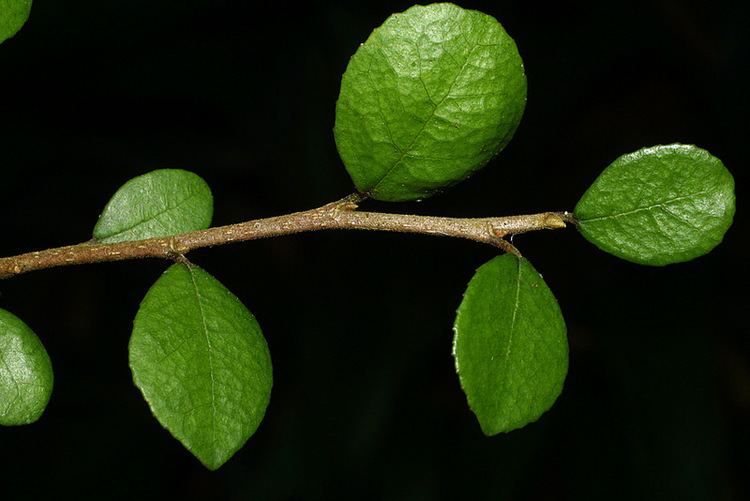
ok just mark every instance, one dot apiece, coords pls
pixel 13 15
pixel 158 204
pixel 201 362
pixel 510 346
pixel 431 96
pixel 25 372
pixel 659 205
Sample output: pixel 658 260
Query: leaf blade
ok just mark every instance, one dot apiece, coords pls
pixel 26 377
pixel 159 203
pixel 13 15
pixel 200 360
pixel 510 345
pixel 427 100
pixel 659 205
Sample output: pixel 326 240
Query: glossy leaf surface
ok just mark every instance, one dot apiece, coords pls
pixel 25 372
pixel 510 345
pixel 659 205
pixel 157 204
pixel 13 15
pixel 200 360
pixel 428 99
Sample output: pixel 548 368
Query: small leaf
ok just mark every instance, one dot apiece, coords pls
pixel 158 204
pixel 659 205
pixel 510 346
pixel 431 96
pixel 13 15
pixel 25 372
pixel 200 360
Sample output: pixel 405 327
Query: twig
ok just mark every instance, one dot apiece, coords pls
pixel 340 215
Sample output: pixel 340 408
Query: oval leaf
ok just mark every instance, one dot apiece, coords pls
pixel 25 372
pixel 200 360
pixel 659 205
pixel 13 15
pixel 158 204
pixel 428 99
pixel 510 345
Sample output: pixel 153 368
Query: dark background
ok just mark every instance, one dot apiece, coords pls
pixel 366 403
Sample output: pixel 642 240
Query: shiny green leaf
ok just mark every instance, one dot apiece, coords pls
pixel 13 15
pixel 431 96
pixel 158 204
pixel 200 360
pixel 25 372
pixel 659 205
pixel 510 345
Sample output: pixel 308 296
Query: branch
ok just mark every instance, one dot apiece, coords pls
pixel 340 215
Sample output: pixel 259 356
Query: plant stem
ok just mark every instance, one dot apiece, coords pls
pixel 340 215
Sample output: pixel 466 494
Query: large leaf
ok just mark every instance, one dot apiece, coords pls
pixel 659 205
pixel 13 15
pixel 25 372
pixel 158 204
pixel 510 345
pixel 427 100
pixel 201 361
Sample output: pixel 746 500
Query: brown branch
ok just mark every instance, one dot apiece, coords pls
pixel 340 215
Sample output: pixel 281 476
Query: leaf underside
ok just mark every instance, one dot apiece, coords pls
pixel 427 100
pixel 510 345
pixel 25 372
pixel 13 15
pixel 659 205
pixel 160 203
pixel 200 360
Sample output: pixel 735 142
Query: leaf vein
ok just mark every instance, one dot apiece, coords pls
pixel 680 219
pixel 149 218
pixel 405 151
pixel 660 205
pixel 512 322
pixel 209 348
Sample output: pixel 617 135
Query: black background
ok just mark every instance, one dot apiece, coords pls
pixel 366 404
